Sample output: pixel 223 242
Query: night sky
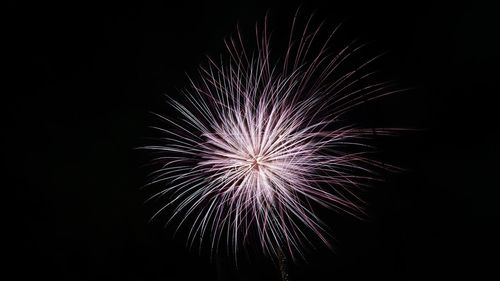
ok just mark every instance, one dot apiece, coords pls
pixel 86 76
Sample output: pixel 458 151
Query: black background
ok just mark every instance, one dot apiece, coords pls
pixel 85 77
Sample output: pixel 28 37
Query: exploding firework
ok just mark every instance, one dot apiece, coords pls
pixel 258 141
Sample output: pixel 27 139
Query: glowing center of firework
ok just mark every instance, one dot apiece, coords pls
pixel 256 163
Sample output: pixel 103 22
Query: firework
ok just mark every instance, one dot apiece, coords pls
pixel 258 142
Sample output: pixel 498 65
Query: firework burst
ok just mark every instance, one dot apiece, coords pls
pixel 258 141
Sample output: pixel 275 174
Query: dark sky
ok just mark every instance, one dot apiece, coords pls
pixel 86 76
